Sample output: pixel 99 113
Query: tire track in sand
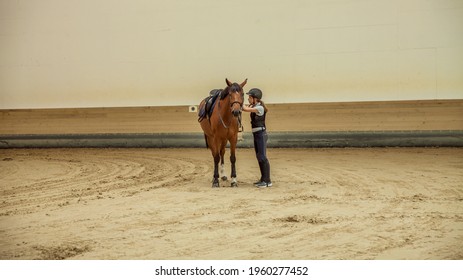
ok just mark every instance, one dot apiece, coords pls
pixel 63 177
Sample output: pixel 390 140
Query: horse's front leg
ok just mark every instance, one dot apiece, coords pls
pixel 234 182
pixel 215 180
pixel 222 163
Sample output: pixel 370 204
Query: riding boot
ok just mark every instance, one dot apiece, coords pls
pixel 266 173
pixel 261 167
pixel 266 182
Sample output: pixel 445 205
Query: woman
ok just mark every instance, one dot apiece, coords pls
pixel 258 112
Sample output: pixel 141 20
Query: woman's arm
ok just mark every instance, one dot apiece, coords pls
pixel 246 108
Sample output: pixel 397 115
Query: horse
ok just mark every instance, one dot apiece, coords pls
pixel 222 126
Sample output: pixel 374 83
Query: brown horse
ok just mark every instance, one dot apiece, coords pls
pixel 222 127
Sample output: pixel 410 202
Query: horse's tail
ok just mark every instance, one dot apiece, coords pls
pixel 205 138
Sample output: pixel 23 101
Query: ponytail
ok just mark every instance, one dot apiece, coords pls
pixel 263 105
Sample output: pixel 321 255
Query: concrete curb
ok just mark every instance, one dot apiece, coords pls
pixel 276 140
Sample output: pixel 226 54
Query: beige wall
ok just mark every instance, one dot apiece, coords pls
pixel 371 116
pixel 102 53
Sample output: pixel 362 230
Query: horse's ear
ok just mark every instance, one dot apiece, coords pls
pixel 243 83
pixel 228 82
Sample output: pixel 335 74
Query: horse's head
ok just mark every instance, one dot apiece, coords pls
pixel 236 93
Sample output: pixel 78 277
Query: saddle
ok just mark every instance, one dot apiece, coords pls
pixel 208 104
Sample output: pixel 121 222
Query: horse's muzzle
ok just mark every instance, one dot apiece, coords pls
pixel 236 113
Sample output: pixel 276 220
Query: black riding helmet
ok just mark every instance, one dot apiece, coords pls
pixel 255 92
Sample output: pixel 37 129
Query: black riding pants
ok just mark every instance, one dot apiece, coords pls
pixel 260 146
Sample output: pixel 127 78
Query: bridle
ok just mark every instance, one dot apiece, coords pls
pixel 235 102
pixel 231 106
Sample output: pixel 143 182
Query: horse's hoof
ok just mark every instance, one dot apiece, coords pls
pixel 224 178
pixel 234 184
pixel 215 185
